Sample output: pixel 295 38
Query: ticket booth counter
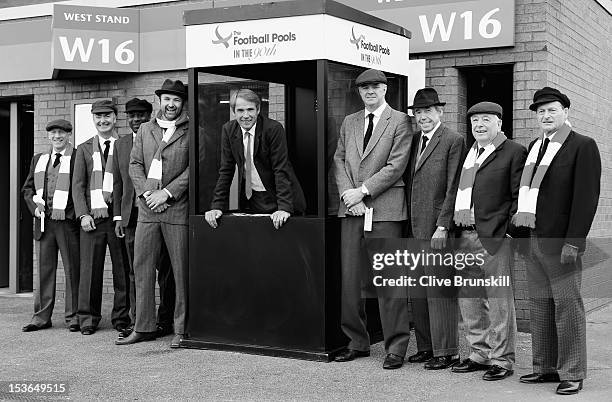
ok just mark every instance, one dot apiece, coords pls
pixel 253 288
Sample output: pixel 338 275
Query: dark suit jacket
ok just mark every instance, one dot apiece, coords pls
pixel 495 193
pixel 568 196
pixel 431 186
pixel 175 173
pixel 123 188
pixel 83 166
pixel 271 160
pixel 28 190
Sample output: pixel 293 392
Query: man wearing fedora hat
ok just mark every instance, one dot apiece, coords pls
pixel 48 195
pixel 138 111
pixel 159 168
pixel 557 200
pixel 371 156
pixel 92 192
pixel 432 177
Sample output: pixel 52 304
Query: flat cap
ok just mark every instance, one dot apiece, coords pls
pixel 546 95
pixel 371 76
pixel 103 106
pixel 138 105
pixel 486 107
pixel 61 124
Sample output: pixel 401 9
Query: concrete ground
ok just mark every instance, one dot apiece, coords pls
pixel 94 368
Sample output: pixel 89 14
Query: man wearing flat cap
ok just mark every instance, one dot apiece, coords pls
pixel 48 195
pixel 92 190
pixel 138 111
pixel 486 199
pixel 371 156
pixel 431 178
pixel 557 200
pixel 159 168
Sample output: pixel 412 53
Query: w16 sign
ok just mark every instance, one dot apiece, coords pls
pixel 95 38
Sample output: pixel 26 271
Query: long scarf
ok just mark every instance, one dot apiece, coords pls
pixel 530 182
pixel 463 201
pixel 154 177
pixel 62 186
pixel 101 187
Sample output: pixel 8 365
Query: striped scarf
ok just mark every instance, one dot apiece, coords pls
pixel 62 187
pixel 528 193
pixel 154 177
pixel 463 202
pixel 101 185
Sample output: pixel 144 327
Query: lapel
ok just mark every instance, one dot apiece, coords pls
pixel 258 134
pixel 180 131
pixel 358 133
pixel 414 152
pixel 433 143
pixel 380 128
pixel 490 157
pixel 237 144
pixel 157 133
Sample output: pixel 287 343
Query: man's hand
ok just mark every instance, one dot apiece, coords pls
pixel 161 208
pixel 438 240
pixel 569 254
pixel 352 197
pixel 212 216
pixel 279 218
pixel 358 210
pixel 155 198
pixel 119 230
pixel 87 223
pixel 38 212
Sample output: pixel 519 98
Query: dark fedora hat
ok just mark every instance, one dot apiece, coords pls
pixel 172 87
pixel 547 95
pixel 426 97
pixel 138 105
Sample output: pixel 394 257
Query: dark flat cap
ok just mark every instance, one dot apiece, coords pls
pixel 426 97
pixel 371 76
pixel 486 108
pixel 138 105
pixel 546 95
pixel 103 106
pixel 172 87
pixel 61 124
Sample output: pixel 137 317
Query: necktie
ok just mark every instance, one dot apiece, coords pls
pixel 542 152
pixel 480 151
pixel 57 159
pixel 368 133
pixel 248 185
pixel 423 145
pixel 106 148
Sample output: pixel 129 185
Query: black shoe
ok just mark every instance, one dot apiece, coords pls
pixel 136 337
pixel 421 357
pixel 497 373
pixel 350 354
pixel 468 366
pixel 121 327
pixel 74 328
pixel 163 330
pixel 441 362
pixel 569 387
pixel 176 341
pixel 126 332
pixel 393 362
pixel 34 327
pixel 537 378
pixel 88 330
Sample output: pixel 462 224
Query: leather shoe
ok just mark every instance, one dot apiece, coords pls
pixel 441 362
pixel 497 373
pixel 74 328
pixel 569 387
pixel 537 378
pixel 468 366
pixel 136 337
pixel 121 327
pixel 34 327
pixel 350 354
pixel 163 330
pixel 421 357
pixel 126 332
pixel 393 362
pixel 88 331
pixel 176 341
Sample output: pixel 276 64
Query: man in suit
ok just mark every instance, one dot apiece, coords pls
pixel 432 177
pixel 557 201
pixel 92 187
pixel 258 146
pixel 126 215
pixel 159 168
pixel 371 156
pixel 486 200
pixel 48 195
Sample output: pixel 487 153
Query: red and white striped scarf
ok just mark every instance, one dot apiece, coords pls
pixel 101 185
pixel 62 186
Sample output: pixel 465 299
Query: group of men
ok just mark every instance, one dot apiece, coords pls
pixel 427 186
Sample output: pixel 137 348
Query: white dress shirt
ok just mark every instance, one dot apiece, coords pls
pixel 377 113
pixel 256 183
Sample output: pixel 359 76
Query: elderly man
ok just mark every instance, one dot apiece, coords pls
pixel 159 168
pixel 372 153
pixel 92 192
pixel 48 195
pixel 557 200
pixel 486 199
pixel 431 180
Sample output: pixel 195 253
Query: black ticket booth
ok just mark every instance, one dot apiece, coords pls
pixel 253 288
